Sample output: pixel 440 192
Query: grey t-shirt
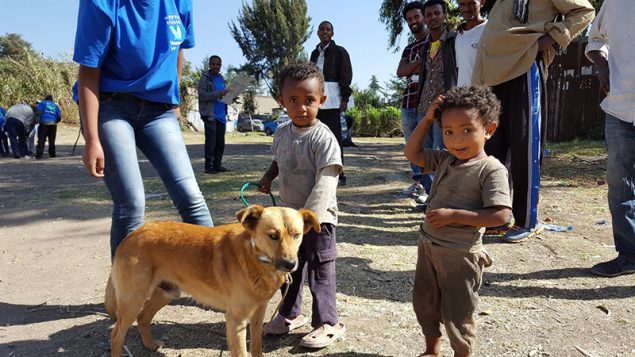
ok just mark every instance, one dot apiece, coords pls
pixel 302 155
pixel 473 185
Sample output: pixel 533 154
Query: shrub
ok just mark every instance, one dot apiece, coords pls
pixel 376 122
pixel 33 78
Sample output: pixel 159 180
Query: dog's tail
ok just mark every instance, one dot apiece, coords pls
pixel 110 300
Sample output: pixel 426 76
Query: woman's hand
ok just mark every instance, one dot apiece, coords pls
pixel 94 159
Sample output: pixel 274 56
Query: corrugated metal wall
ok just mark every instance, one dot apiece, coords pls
pixel 573 97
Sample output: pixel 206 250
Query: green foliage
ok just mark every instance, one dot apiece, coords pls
pixel 12 45
pixel 270 34
pixel 187 88
pixel 376 122
pixel 33 78
pixel 249 100
pixel 365 98
pixel 374 86
pixel 394 90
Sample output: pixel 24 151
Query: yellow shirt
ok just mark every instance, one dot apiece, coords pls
pixel 434 48
pixel 508 47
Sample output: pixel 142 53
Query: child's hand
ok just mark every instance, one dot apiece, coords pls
pixel 433 109
pixel 440 217
pixel 265 185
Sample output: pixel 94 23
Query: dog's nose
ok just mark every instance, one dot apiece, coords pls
pixel 287 265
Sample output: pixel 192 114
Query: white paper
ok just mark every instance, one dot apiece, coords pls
pixel 239 84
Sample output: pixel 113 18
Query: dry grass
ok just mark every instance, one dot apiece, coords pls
pixel 537 299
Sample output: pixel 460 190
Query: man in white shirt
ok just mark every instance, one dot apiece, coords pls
pixel 467 39
pixel 611 48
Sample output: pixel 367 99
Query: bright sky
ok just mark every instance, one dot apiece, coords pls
pixel 50 27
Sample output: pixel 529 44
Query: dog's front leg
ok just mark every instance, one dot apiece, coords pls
pixel 255 330
pixel 236 334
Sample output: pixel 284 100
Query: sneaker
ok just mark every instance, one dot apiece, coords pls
pixel 621 265
pixel 520 234
pixel 422 198
pixel 499 230
pixel 416 189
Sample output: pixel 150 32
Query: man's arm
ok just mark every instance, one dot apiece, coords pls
pixel 345 77
pixel 578 14
pixel 597 50
pixel 406 68
pixel 89 107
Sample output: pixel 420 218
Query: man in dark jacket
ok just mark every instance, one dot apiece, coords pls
pixel 338 75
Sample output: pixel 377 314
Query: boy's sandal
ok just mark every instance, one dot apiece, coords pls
pixel 323 336
pixel 281 325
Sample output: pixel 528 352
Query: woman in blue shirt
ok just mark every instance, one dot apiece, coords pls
pixel 130 55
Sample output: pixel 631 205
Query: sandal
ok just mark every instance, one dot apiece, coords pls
pixel 281 325
pixel 323 336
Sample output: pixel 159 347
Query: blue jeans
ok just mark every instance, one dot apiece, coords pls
pixel 17 137
pixel 4 143
pixel 620 142
pixel 434 139
pixel 126 123
pixel 214 143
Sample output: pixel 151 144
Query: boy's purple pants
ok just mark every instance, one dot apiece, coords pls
pixel 317 257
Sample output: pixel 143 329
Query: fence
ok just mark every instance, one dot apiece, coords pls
pixel 573 97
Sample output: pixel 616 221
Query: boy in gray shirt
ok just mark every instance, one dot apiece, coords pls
pixel 306 157
pixel 470 192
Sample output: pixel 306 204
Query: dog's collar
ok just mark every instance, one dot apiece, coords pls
pixel 264 258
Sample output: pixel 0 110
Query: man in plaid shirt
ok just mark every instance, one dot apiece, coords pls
pixel 409 67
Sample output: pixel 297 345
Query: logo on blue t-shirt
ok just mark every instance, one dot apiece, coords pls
pixel 176 29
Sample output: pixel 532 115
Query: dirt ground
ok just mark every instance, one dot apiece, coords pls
pixel 538 298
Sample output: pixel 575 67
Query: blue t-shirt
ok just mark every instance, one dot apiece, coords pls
pixel 135 44
pixel 220 108
pixel 50 113
pixel 75 90
pixel 2 113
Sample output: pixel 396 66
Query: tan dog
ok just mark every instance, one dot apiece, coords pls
pixel 235 267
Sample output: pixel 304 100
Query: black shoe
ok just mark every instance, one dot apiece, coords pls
pixel 222 169
pixel 353 144
pixel 621 265
pixel 342 180
pixel 211 171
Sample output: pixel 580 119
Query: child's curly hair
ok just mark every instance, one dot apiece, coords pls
pixel 480 98
pixel 300 71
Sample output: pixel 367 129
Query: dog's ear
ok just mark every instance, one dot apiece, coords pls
pixel 250 216
pixel 310 220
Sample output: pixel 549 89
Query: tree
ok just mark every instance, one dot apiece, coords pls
pixel 270 34
pixel 14 46
pixel 249 100
pixel 394 90
pixel 374 86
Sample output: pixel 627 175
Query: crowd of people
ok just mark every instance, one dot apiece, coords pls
pixel 473 116
pixel 22 123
